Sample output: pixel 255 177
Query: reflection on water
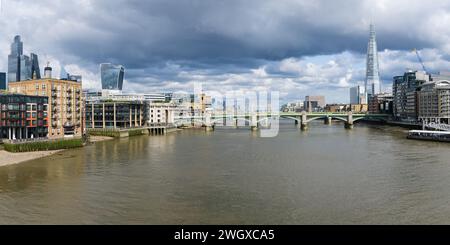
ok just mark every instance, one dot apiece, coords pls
pixel 328 175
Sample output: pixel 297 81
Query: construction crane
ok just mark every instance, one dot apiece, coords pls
pixel 420 60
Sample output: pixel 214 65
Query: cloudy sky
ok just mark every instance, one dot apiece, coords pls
pixel 297 47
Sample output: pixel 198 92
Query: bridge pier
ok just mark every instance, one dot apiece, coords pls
pixel 304 127
pixel 236 123
pixel 254 122
pixel 328 120
pixel 304 122
pixel 349 123
pixel 209 126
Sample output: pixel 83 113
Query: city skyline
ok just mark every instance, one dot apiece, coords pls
pixel 293 53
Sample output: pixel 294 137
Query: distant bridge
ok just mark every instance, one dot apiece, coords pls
pixel 255 120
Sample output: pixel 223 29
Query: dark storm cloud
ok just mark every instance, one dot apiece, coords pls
pixel 142 33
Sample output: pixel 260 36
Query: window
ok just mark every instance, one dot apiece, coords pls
pixel 43 86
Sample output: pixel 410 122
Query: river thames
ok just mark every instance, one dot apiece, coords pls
pixel 328 175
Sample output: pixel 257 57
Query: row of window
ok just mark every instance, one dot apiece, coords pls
pixel 22 123
pixel 23 107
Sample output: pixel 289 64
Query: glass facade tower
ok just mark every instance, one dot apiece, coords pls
pixel 35 71
pixel 14 60
pixel 22 67
pixel 112 76
pixel 2 81
pixel 372 83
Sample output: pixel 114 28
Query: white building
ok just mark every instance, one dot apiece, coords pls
pixel 166 113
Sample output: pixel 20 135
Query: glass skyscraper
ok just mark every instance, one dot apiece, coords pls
pixel 372 84
pixel 22 67
pixel 34 69
pixel 2 81
pixel 112 76
pixel 14 60
pixel 25 68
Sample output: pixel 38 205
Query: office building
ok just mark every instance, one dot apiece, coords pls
pixel 3 85
pixel 382 103
pixel 22 67
pixel 314 103
pixel 163 113
pixel 35 72
pixel 106 114
pixel 112 76
pixel 404 93
pixel 23 116
pixel 434 102
pixel 293 107
pixel 372 83
pixel 65 110
pixel 357 95
pixel 14 60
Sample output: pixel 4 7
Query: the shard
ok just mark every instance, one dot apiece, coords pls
pixel 372 83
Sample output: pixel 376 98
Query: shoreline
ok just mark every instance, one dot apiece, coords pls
pixel 93 139
pixel 8 158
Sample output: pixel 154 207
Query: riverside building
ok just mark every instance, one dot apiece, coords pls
pixel 107 114
pixel 434 102
pixel 404 91
pixel 381 104
pixel 65 103
pixel 23 116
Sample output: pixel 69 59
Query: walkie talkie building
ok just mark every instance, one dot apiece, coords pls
pixel 112 76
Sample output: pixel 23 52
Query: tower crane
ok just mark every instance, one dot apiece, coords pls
pixel 420 60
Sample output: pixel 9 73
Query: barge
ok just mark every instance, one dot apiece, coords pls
pixel 440 136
